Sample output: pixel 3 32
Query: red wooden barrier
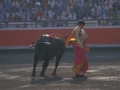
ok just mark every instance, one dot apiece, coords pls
pixel 26 37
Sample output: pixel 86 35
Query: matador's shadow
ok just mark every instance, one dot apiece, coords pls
pixel 47 80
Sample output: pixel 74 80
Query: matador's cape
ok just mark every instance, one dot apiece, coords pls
pixel 72 39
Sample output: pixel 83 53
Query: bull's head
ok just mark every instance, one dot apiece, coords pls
pixel 42 48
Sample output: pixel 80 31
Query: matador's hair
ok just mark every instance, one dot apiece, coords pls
pixel 81 22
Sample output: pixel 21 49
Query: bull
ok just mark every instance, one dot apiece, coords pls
pixel 46 48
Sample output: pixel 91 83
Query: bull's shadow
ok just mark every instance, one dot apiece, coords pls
pixel 47 80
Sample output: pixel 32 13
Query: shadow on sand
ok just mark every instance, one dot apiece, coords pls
pixel 47 80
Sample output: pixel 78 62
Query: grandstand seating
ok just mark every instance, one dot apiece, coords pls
pixel 18 12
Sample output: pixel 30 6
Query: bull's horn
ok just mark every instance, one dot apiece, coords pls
pixel 47 43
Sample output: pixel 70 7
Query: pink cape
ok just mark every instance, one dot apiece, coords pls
pixel 80 57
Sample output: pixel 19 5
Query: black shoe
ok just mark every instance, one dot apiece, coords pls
pixel 80 75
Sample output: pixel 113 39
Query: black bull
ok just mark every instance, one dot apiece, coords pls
pixel 46 48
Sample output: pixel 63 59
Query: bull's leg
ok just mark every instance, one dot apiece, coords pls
pixel 44 66
pixel 34 65
pixel 58 60
pixel 56 65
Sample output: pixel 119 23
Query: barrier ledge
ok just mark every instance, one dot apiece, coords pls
pixel 89 45
pixel 44 28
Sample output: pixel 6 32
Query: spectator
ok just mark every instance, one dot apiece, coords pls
pixel 47 17
pixel 64 12
pixel 40 17
pixel 15 3
pixel 33 18
pixel 87 17
pixel 38 12
pixel 80 16
pixel 36 25
pixel 52 24
pixel 10 18
pixel 73 3
pixel 80 3
pixel 59 3
pixel 77 10
pixel 66 24
pixel 22 14
pixel 17 18
pixel 1 25
pixel 51 13
pixel 6 25
pixel 54 17
pixel 25 18
pixel 95 15
pixel 110 2
pixel 25 25
pixel 72 15
pixel 115 16
pixel 104 13
pixel 14 13
pixel 93 4
pixel 45 24
pixel 51 3
pixel 116 4
pixel 1 3
pixel 4 8
pixel 115 23
pixel 109 16
pixel 17 26
pixel 1 15
pixel 59 17
pixel 99 23
pixel 14 7
pixel 107 23
pixel 59 24
pixel 87 10
pixel 8 3
pixel 5 18
pixel 67 16
pixel 69 7
pixel 108 6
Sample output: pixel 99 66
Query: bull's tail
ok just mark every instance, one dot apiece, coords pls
pixel 32 45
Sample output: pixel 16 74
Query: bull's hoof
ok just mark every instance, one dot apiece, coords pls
pixel 53 74
pixel 42 75
pixel 33 75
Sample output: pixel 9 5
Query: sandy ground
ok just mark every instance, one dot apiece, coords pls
pixel 103 74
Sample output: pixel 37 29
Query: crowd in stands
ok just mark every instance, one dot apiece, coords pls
pixel 37 10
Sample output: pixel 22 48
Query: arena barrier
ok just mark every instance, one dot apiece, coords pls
pixel 10 38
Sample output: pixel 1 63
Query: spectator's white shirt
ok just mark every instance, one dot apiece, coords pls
pixel 26 19
pixel 108 7
pixel 36 26
pixel 109 1
pixel 87 18
pixel 15 4
pixel 59 4
pixel 72 17
pixel 51 13
pixel 69 7
pixel 51 3
pixel 14 13
pixel 40 18
pixel 21 14
pixel 99 8
pixel 59 17
pixel 64 12
pixel 92 11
